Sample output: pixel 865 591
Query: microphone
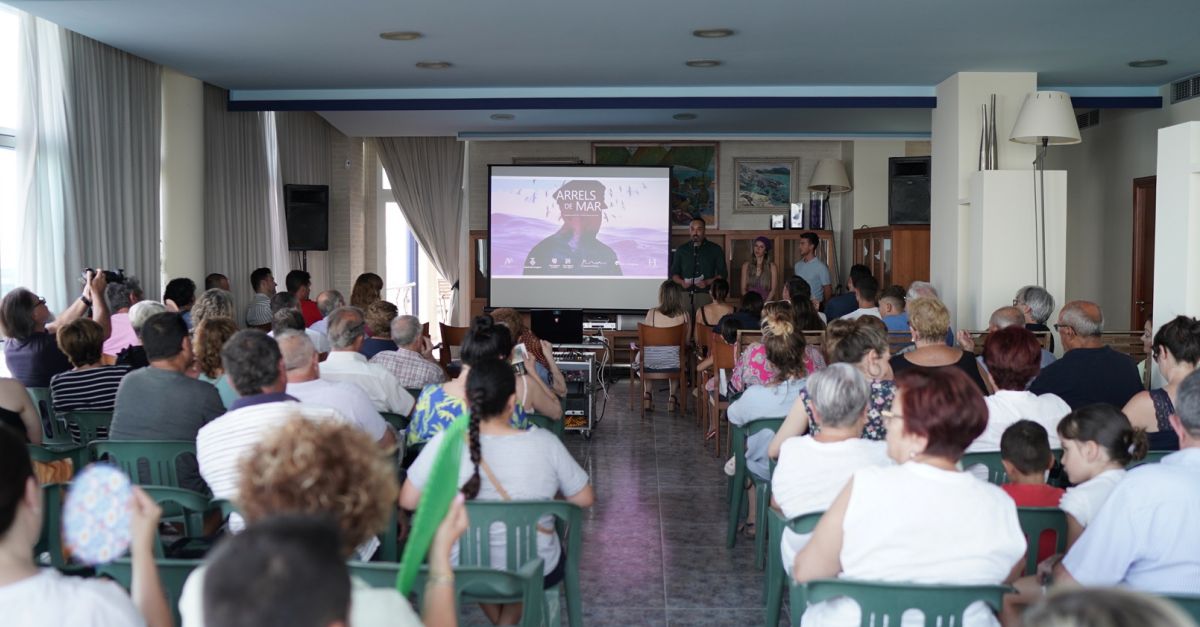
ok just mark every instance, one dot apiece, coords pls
pixel 695 244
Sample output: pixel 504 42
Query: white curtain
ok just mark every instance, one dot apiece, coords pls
pixel 88 150
pixel 427 176
pixel 305 158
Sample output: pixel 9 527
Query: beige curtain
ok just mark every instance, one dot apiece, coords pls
pixel 305 158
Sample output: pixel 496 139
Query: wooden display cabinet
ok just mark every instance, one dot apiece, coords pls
pixel 896 255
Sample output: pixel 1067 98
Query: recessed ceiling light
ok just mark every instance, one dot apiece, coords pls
pixel 1148 63
pixel 434 65
pixel 503 116
pixel 712 33
pixel 683 117
pixel 400 35
pixel 703 63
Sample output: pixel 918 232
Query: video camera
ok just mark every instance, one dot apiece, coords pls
pixel 111 276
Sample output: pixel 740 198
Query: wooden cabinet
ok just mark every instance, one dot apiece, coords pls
pixel 896 255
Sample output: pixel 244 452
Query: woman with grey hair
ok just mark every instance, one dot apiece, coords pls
pixel 814 468
pixel 1037 304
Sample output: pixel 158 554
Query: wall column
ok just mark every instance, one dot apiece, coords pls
pixel 181 195
pixel 1177 224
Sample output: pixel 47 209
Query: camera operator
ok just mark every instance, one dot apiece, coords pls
pixel 31 351
pixel 120 296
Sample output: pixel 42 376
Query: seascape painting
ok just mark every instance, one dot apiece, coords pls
pixel 764 185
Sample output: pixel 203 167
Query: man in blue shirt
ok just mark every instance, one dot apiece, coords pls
pixel 812 269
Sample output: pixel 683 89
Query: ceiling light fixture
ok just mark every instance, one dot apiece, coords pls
pixel 503 116
pixel 712 33
pixel 703 63
pixel 401 35
pixel 684 117
pixel 1144 63
pixel 434 65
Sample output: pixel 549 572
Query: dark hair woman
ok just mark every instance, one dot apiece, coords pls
pixel 1176 351
pixel 31 351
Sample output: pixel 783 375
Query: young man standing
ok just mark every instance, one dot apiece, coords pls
pixel 812 269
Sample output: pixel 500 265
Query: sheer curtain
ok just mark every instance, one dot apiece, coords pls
pixel 88 151
pixel 427 176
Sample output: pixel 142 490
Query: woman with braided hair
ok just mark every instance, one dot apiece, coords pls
pixel 503 463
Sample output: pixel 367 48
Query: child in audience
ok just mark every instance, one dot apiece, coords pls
pixel 1025 453
pixel 1098 442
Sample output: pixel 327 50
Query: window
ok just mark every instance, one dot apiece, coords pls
pixel 10 238
pixel 410 281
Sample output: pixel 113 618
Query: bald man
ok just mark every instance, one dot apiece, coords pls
pixel 1089 372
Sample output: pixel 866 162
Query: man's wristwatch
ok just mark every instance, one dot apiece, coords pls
pixel 85 301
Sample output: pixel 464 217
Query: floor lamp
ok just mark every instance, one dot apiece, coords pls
pixel 829 177
pixel 1046 118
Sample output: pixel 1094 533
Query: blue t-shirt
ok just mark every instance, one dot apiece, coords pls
pixel 817 274
pixel 841 305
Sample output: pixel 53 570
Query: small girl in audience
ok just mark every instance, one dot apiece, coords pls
pixel 516 465
pixel 1098 442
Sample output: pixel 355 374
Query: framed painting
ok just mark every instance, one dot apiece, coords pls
pixel 765 185
pixel 693 174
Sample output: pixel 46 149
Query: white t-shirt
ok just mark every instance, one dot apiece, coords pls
pixel 379 384
pixel 863 311
pixel 810 475
pixel 1085 499
pixel 1007 406
pixel 51 599
pixel 920 524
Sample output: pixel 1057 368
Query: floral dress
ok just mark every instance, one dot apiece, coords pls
pixel 436 409
pixel 753 368
pixel 882 393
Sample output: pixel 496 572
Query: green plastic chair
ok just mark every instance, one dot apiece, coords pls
pixel 54 432
pixel 880 601
pixel 225 506
pixel 51 538
pixel 991 459
pixel 79 455
pixel 776 579
pixel 1035 521
pixel 553 426
pixel 416 392
pixel 173 574
pixel 520 519
pixel 161 457
pixel 86 427
pixel 524 584
pixel 737 495
pixel 1190 604
pixel 1152 457
pixel 182 504
pixel 398 422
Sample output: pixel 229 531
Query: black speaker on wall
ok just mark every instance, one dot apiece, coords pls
pixel 307 210
pixel 908 190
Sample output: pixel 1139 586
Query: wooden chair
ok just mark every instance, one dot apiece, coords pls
pixel 744 339
pixel 451 337
pixel 703 340
pixel 1128 342
pixel 661 337
pixel 722 356
pixel 899 341
pixel 814 338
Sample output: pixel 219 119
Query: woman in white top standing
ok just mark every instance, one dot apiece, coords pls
pixel 923 521
pixel 1013 357
pixel 814 468
pixel 1098 442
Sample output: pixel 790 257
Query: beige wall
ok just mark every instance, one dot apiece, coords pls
pixel 181 189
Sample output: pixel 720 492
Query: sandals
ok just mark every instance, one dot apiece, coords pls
pixel 747 529
pixel 648 402
pixel 673 403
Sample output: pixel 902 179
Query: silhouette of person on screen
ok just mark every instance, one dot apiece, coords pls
pixel 574 250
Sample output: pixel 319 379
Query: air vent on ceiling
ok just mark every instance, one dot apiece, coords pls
pixel 1088 118
pixel 1185 89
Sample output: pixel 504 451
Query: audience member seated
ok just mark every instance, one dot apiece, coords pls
pixel 303 382
pixel 1003 318
pixel 368 288
pixel 847 302
pixel 347 330
pixel 1036 305
pixel 210 336
pixel 327 302
pixel 1012 355
pixel 120 297
pixel 161 402
pixel 18 413
pixel 759 274
pixel 672 311
pixel 711 313
pixel 134 356
pixel 1026 456
pixel 31 351
pixel 332 470
pixel 517 465
pixel 412 363
pixel 213 303
pixel 814 468
pixel 218 281
pixel 180 294
pixel 89 385
pixel 1143 537
pixel 255 366
pixel 299 284
pixel 542 351
pixel 862 344
pixel 1156 378
pixel 891 301
pixel 1089 371
pixel 258 312
pixel 918 289
pixel 867 293
pixel 1105 607
pixel 379 316
pixel 1098 443
pixel 748 314
pixel 43 597
pixel 719 384
pixel 929 322
pixel 485 341
pixel 796 291
pixel 283 301
pixel 923 520
pixel 1176 350
pixel 754 368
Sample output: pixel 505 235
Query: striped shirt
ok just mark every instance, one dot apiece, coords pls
pixel 89 389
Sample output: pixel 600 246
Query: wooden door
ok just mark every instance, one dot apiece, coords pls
pixel 1142 298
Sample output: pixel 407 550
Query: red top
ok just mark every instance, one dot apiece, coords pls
pixel 1036 495
pixel 312 314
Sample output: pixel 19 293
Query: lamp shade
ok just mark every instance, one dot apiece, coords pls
pixel 1046 115
pixel 830 175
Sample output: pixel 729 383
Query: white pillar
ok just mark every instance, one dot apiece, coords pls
pixel 182 178
pixel 956 125
pixel 1177 224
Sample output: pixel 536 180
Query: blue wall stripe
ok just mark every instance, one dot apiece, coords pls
pixel 510 104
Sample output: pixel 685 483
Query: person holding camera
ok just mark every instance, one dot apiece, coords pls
pixel 31 351
pixel 120 296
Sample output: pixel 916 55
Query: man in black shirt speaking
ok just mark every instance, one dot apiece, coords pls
pixel 574 250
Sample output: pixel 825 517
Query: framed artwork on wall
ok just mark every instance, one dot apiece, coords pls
pixel 777 222
pixel 765 185
pixel 693 174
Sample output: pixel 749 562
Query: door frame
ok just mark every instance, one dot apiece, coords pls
pixel 1142 292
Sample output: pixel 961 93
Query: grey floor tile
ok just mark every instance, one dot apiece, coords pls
pixel 620 616
pixel 687 618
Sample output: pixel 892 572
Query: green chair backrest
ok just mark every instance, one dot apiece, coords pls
pixel 416 392
pixel 1190 604
pixel 79 455
pixel 51 537
pixel 545 422
pixel 86 427
pixel 991 460
pixel 776 580
pixel 161 458
pixel 180 503
pixel 398 422
pixel 1035 521
pixel 940 604
pixel 473 581
pixel 1152 457
pixel 173 573
pixel 53 430
pixel 520 520
pixel 741 432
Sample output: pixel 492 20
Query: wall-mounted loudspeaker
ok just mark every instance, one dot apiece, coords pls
pixel 307 212
pixel 908 190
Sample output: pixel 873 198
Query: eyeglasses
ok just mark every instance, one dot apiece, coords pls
pixel 40 301
pixel 1060 327
pixel 888 414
